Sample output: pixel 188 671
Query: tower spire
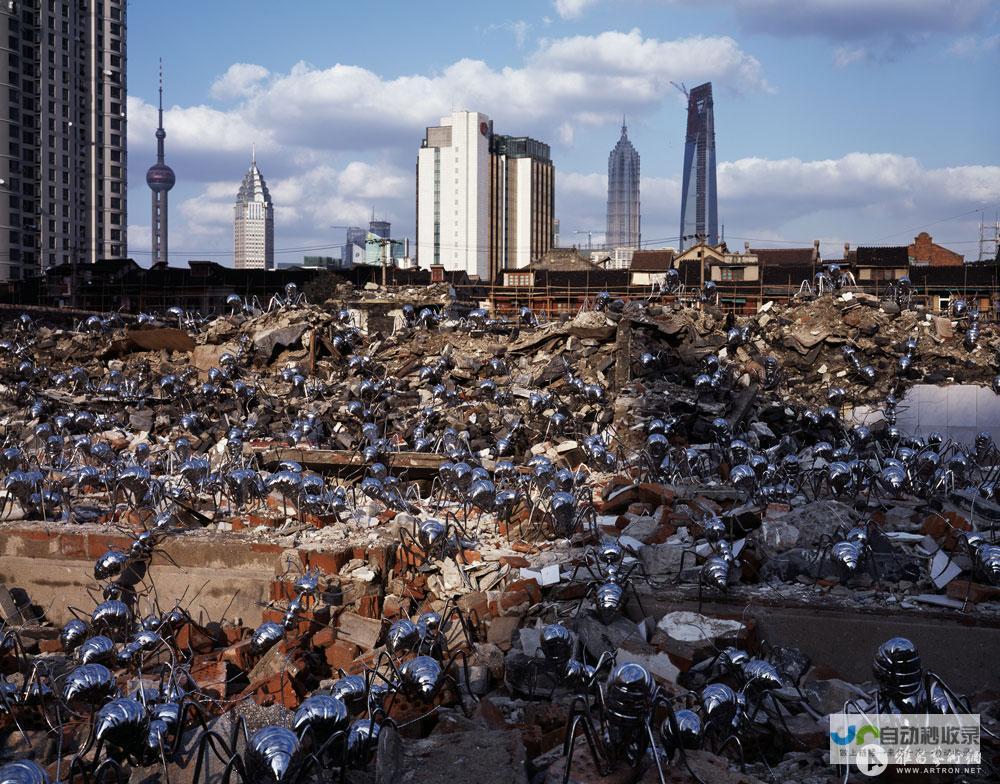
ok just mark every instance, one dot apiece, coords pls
pixel 624 127
pixel 253 153
pixel 160 179
pixel 160 133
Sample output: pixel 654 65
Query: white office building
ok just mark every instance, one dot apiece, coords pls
pixel 254 222
pixel 453 194
pixel 485 201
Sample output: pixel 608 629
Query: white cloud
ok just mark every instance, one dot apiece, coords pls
pixel 307 205
pixel 518 29
pixel 861 196
pixel 333 141
pixel 308 112
pixel 975 46
pixel 239 81
pixel 844 56
pixel 572 9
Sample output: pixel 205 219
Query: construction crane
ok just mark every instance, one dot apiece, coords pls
pixel 682 88
pixel 590 235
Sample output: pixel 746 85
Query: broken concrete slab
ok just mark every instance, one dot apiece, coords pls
pixel 465 758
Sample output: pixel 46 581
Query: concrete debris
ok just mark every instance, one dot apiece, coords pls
pixel 460 525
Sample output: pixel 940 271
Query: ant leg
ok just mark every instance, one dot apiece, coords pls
pixel 580 713
pixel 465 672
pixel 732 739
pixel 654 750
pixel 591 589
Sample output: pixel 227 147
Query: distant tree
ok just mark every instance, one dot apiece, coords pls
pixel 322 287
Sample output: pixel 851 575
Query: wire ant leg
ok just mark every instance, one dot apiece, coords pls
pixel 580 713
pixel 735 741
pixel 468 681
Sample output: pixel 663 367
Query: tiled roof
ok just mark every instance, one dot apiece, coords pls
pixel 564 260
pixel 784 256
pixel 652 260
pixel 888 256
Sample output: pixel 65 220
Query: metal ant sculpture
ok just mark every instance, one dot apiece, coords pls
pixel 984 557
pixel 429 633
pixel 23 772
pixel 900 291
pixel 271 753
pixel 623 731
pixel 420 679
pixel 132 732
pixel 564 668
pixel 611 580
pixel 433 540
pixel 761 683
pixel 270 633
pixel 865 373
pixel 853 549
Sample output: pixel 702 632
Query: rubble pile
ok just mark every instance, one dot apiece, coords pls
pixel 441 544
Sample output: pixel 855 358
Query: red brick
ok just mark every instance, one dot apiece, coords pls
pixel 341 654
pixel 369 606
pixel 72 546
pixel 656 494
pixel 523 547
pixel 516 561
pixel 235 634
pixel 50 646
pixel 282 591
pixel 976 592
pixel 474 603
pixel 279 689
pixel 394 607
pixel 327 561
pixel 511 599
pixel 194 637
pixel 324 637
pixel 239 654
pixel 531 587
pixel 214 676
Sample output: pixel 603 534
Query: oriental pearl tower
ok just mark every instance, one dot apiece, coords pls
pixel 160 179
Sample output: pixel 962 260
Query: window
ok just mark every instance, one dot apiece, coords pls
pixel 519 278
pixel 732 273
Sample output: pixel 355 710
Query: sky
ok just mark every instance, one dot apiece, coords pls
pixel 861 121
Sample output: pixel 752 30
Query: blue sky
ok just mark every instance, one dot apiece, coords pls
pixel 843 120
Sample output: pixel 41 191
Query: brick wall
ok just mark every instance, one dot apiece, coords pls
pixel 923 250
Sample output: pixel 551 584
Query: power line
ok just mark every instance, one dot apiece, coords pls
pixel 926 225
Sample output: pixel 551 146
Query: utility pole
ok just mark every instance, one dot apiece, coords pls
pixel 385 245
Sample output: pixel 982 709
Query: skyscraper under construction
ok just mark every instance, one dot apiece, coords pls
pixel 699 194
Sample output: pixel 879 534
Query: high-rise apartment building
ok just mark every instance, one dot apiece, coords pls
pixel 624 221
pixel 254 222
pixel 63 155
pixel 484 201
pixel 522 202
pixel 699 194
pixel 160 179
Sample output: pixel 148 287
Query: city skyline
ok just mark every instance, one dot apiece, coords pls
pixel 822 126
